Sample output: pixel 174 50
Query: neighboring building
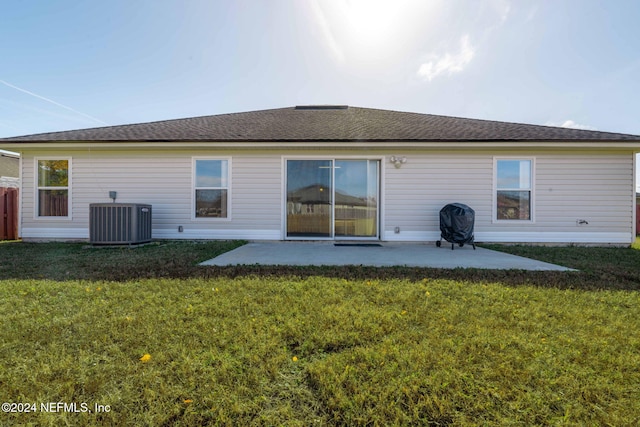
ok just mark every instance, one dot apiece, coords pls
pixel 9 170
pixel 334 172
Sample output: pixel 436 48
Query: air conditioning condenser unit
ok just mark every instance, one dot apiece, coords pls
pixel 119 223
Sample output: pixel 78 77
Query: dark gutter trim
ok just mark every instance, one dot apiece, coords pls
pixel 373 141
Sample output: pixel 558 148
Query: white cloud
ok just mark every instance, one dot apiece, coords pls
pixel 573 125
pixel 448 63
pixel 570 124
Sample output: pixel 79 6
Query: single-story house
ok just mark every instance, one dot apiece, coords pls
pixel 333 172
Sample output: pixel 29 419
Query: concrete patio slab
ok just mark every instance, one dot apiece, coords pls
pixel 385 255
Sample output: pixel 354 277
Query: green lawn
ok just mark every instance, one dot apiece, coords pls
pixel 310 346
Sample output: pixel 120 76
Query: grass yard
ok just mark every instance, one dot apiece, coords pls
pixel 159 342
pixel 64 261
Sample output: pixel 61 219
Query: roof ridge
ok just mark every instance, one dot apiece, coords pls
pixel 328 123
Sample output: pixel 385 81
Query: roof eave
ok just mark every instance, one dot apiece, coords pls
pixel 338 144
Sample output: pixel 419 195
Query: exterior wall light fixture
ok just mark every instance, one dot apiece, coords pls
pixel 398 161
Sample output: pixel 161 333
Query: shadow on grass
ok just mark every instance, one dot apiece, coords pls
pixel 548 279
pixel 600 268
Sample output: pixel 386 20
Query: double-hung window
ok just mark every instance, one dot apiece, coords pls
pixel 53 187
pixel 514 189
pixel 211 188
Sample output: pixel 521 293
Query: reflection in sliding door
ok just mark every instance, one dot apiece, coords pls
pixel 356 198
pixel 309 193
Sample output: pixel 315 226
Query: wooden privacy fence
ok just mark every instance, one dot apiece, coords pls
pixel 52 203
pixel 8 213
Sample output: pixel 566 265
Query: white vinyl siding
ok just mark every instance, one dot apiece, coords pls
pixel 164 180
pixel 597 187
pixel 415 193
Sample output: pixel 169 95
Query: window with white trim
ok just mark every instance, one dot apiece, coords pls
pixel 53 187
pixel 514 189
pixel 211 188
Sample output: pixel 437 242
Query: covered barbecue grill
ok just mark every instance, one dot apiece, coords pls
pixel 456 224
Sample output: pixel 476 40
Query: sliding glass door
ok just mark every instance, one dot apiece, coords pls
pixel 309 187
pixel 356 198
pixel 332 198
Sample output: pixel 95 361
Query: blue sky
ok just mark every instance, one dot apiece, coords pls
pixel 70 64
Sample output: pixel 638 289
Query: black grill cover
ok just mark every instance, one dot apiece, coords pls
pixel 456 223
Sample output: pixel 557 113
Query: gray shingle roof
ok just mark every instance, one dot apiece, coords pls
pixel 327 123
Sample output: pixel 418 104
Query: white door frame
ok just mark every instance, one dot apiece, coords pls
pixel 332 221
